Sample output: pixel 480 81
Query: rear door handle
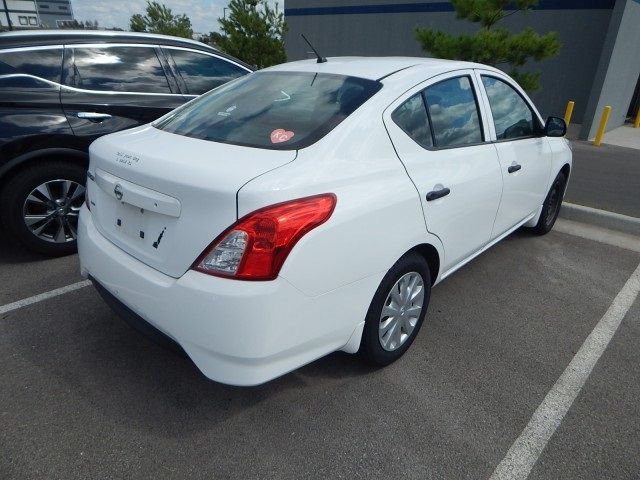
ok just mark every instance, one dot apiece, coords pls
pixel 514 168
pixel 435 194
pixel 93 116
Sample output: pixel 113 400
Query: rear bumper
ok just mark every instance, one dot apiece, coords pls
pixel 239 333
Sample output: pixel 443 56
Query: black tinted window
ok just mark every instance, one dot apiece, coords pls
pixel 511 114
pixel 454 113
pixel 411 117
pixel 30 68
pixel 278 110
pixel 202 72
pixel 120 69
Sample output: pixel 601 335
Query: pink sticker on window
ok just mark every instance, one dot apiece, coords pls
pixel 280 135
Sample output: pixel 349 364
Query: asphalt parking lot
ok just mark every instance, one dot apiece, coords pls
pixel 82 395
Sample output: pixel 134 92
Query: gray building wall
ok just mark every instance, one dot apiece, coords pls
pixel 50 11
pixel 582 30
pixel 618 69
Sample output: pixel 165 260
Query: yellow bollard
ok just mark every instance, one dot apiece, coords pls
pixel 569 111
pixel 636 123
pixel 603 125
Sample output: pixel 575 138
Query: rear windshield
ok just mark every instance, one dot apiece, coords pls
pixel 275 110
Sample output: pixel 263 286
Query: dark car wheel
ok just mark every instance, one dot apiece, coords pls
pixel 551 206
pixel 397 310
pixel 40 206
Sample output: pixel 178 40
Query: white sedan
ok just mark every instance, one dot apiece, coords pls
pixel 310 207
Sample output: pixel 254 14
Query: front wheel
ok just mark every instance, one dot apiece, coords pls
pixel 397 310
pixel 40 206
pixel 551 206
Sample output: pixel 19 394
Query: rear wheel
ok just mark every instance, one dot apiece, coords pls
pixel 40 206
pixel 397 310
pixel 551 206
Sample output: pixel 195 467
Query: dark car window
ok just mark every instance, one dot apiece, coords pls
pixel 202 72
pixel 276 110
pixel 30 68
pixel 412 117
pixel 119 69
pixel 512 116
pixel 454 113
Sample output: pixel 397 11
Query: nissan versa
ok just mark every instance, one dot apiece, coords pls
pixel 310 207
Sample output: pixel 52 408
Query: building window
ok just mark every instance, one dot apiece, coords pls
pixel 33 21
pixel 63 7
pixel 23 20
pixel 43 6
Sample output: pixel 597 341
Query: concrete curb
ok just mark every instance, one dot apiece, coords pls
pixel 601 218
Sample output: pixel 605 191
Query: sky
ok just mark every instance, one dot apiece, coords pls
pixel 204 14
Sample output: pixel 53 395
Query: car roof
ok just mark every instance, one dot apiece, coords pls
pixel 26 38
pixel 373 68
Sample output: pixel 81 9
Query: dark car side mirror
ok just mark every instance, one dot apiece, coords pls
pixel 555 127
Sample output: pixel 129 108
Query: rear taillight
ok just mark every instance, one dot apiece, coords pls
pixel 256 246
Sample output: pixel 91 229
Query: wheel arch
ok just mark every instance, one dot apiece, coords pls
pixel 18 163
pixel 432 256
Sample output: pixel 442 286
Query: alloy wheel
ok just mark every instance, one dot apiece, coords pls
pixel 401 311
pixel 51 210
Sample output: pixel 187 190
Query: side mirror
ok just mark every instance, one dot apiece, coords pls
pixel 555 127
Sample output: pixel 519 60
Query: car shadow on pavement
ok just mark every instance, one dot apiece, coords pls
pixel 11 252
pixel 106 368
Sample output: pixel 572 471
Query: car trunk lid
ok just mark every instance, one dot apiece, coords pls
pixel 163 197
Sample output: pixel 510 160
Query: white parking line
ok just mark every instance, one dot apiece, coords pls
pixel 598 234
pixel 528 447
pixel 43 296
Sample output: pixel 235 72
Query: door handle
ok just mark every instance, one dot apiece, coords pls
pixel 93 116
pixel 435 194
pixel 514 168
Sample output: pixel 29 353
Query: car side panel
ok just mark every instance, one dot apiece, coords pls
pixel 29 121
pixel 31 117
pixel 122 110
pixel 523 190
pixel 378 216
pixel 463 219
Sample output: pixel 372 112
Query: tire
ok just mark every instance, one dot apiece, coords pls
pixel 36 196
pixel 379 346
pixel 551 206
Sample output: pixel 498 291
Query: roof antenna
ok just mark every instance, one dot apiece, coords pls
pixel 321 59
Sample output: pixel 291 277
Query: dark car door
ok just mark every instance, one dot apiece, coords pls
pixel 30 113
pixel 198 72
pixel 115 86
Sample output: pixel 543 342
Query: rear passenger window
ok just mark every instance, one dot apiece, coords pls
pixel 119 69
pixel 453 112
pixel 512 116
pixel 411 117
pixel 30 68
pixel 202 72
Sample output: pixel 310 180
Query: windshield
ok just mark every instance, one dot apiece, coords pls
pixel 276 110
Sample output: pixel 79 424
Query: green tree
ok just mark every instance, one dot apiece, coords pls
pixel 493 45
pixel 160 19
pixel 253 31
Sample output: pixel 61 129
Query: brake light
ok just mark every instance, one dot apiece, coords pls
pixel 256 246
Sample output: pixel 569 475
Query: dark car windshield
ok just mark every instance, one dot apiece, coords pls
pixel 276 110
